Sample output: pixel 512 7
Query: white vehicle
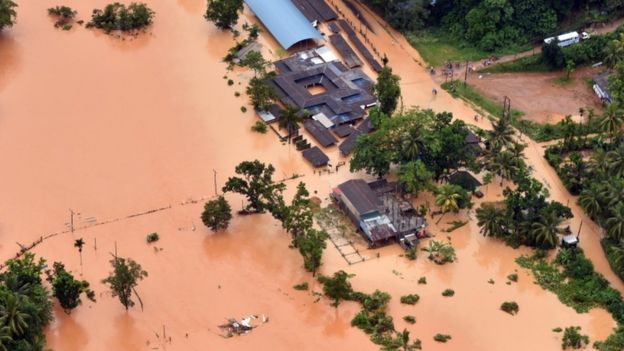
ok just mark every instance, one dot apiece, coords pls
pixel 566 39
pixel 585 36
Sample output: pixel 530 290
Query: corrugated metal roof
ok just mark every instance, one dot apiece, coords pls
pixel 284 20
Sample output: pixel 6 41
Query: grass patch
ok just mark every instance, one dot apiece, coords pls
pixel 410 299
pixel 532 63
pixel 301 286
pixel 563 80
pixel 436 48
pixel 470 94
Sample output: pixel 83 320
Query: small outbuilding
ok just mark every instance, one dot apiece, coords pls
pixel 316 157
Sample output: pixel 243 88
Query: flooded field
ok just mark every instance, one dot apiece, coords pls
pixel 110 127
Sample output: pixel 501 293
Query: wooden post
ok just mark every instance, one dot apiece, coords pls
pixel 215 180
pixel 71 220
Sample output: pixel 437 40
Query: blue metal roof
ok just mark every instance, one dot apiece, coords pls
pixel 284 20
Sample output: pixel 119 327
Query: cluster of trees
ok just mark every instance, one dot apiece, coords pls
pixel 526 217
pixel 254 180
pixel 491 24
pixel 372 318
pixel 64 15
pixel 118 16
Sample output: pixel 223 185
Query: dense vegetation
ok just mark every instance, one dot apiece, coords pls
pixel 25 306
pixel 572 278
pixel 7 13
pixel 64 15
pixel 118 16
pixel 492 25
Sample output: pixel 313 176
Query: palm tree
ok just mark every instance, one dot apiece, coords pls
pixel 615 223
pixel 615 161
pixel 447 198
pixel 289 120
pixel 505 165
pixel 598 162
pixel 546 231
pixel 412 143
pixel 5 338
pixel 79 243
pixel 11 315
pixel 612 119
pixel 502 134
pixel 613 52
pixel 617 253
pixel 491 220
pixel 590 200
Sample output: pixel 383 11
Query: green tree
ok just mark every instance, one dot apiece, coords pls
pixel 290 119
pixel 123 280
pixel 414 177
pixel 546 230
pixel 491 220
pixel 5 338
pixel 311 246
pixel 67 289
pixel 7 13
pixel 505 165
pixel 79 244
pixel 612 119
pixel 615 161
pixel 337 287
pixel 256 62
pixel 501 135
pixel 614 52
pixel 448 199
pixel 553 55
pixel 260 93
pixel 298 218
pixel 388 90
pixel 13 314
pixel 118 16
pixel 572 338
pixel 223 13
pixel 257 185
pixel 371 154
pixel 217 214
pixel 615 223
pixel 590 200
pixel 569 67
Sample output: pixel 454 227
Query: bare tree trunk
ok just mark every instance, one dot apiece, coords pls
pixel 138 297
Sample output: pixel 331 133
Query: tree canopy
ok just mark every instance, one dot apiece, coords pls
pixel 256 184
pixel 123 280
pixel 217 214
pixel 388 90
pixel 224 13
pixel 7 13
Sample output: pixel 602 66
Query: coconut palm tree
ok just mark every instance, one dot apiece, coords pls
pixel 505 165
pixel 447 198
pixel 502 134
pixel 5 338
pixel 613 52
pixel 590 200
pixel 612 119
pixel 12 316
pixel 79 244
pixel 491 220
pixel 598 163
pixel 615 161
pixel 412 143
pixel 289 120
pixel 546 231
pixel 617 253
pixel 615 223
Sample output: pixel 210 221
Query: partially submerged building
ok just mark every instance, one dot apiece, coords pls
pixel 375 215
pixel 319 83
pixel 601 87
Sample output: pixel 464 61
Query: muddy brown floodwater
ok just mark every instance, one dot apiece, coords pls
pixel 109 127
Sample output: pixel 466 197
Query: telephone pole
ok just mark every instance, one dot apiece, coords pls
pixel 71 220
pixel 215 180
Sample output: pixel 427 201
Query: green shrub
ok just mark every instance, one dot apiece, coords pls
pixel 243 109
pixel 118 16
pixel 410 299
pixel 230 82
pixel 448 293
pixel 510 307
pixel 441 337
pixel 573 338
pixel 301 286
pixel 410 319
pixel 411 253
pixel 152 237
pixel 557 330
pixel 513 277
pixel 422 280
pixel 259 127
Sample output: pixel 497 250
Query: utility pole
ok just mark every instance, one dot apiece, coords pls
pixel 71 220
pixel 215 180
pixel 466 74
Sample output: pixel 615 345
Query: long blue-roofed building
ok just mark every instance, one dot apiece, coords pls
pixel 284 20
